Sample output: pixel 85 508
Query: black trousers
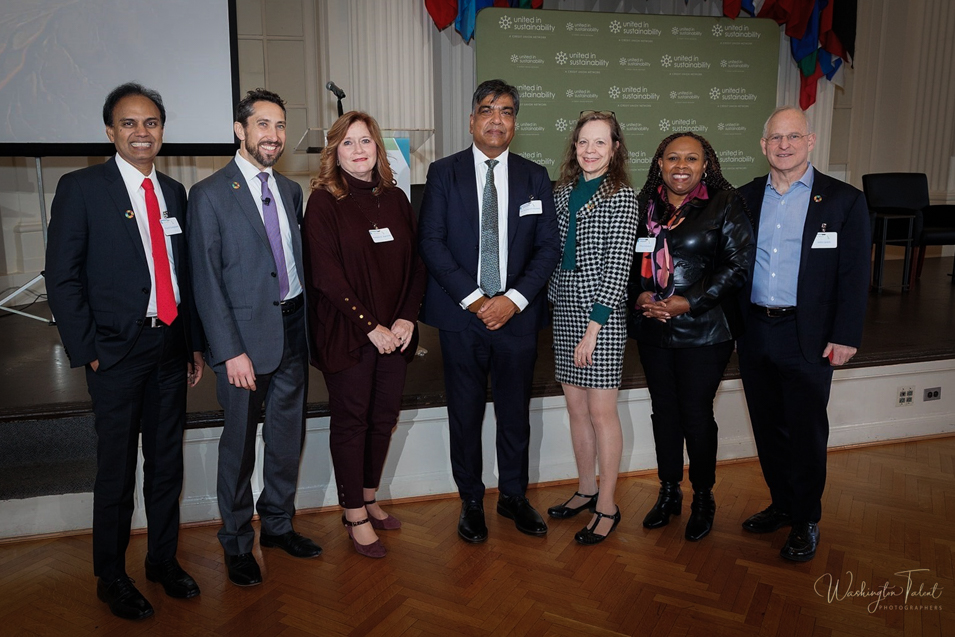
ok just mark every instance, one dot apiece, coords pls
pixel 364 401
pixel 146 391
pixel 682 383
pixel 469 357
pixel 787 397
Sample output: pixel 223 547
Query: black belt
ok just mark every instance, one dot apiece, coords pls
pixel 773 312
pixel 292 305
pixel 151 321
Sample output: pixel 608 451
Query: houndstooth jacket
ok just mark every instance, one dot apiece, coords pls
pixel 606 236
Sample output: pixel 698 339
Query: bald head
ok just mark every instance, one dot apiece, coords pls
pixel 786 143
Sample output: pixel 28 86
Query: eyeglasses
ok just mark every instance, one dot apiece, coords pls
pixel 793 138
pixel 609 114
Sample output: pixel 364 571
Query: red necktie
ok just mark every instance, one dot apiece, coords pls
pixel 165 297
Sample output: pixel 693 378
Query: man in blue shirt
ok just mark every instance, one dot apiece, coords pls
pixel 804 308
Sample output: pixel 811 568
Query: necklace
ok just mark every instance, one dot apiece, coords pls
pixel 362 209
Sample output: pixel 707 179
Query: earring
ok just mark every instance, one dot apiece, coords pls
pixel 704 174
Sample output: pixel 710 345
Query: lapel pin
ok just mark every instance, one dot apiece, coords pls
pixel 130 214
pixel 235 185
pixel 817 198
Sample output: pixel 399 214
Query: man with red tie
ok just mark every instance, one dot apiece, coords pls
pixel 117 278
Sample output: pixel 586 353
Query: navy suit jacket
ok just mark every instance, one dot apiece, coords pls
pixel 97 279
pixel 833 284
pixel 449 235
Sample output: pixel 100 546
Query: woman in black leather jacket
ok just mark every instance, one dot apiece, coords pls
pixel 695 244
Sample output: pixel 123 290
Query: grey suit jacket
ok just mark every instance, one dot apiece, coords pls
pixel 236 287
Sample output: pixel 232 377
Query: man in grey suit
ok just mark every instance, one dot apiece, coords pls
pixel 247 250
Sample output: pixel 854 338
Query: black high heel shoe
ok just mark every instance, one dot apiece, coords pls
pixel 562 511
pixel 669 502
pixel 586 535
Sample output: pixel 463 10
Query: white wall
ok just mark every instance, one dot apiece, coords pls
pixel 861 410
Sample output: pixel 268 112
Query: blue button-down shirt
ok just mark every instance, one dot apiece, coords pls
pixel 779 243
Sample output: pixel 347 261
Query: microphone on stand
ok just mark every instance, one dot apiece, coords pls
pixel 331 86
pixel 337 92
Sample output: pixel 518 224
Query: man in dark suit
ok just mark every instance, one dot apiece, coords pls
pixel 247 250
pixel 488 235
pixel 804 308
pixel 117 278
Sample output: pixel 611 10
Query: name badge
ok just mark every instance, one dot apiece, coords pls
pixel 381 235
pixel 646 244
pixel 825 240
pixel 532 207
pixel 170 226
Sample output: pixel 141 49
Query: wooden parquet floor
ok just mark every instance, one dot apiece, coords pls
pixel 888 509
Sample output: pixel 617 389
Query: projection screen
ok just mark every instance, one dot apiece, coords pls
pixel 60 58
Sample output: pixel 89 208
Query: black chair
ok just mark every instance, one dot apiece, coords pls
pixel 938 229
pixel 895 201
pixel 933 226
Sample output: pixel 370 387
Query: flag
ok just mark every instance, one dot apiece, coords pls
pixel 808 87
pixel 467 14
pixel 442 12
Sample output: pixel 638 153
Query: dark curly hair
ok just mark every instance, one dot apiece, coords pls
pixel 712 176
pixel 617 173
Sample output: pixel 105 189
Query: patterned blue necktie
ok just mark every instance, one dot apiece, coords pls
pixel 490 257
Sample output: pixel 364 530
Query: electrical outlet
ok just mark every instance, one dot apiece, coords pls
pixel 905 396
pixel 932 393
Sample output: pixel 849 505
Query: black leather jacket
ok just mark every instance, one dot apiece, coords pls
pixel 711 249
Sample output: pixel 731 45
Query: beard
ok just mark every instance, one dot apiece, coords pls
pixel 265 161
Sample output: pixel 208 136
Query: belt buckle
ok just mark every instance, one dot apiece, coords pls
pixel 155 322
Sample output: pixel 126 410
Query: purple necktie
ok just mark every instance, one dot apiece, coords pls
pixel 271 215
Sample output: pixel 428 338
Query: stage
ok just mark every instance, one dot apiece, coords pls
pixel 37 383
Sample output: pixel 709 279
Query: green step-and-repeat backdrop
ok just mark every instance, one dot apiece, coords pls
pixel 659 74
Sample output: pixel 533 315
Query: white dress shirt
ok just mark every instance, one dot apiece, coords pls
pixel 251 174
pixel 501 184
pixel 133 180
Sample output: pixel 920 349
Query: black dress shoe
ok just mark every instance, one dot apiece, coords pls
pixel 767 520
pixel 295 544
pixel 471 526
pixel 669 502
pixel 562 511
pixel 175 580
pixel 586 535
pixel 702 511
pixel 123 598
pixel 526 519
pixel 802 542
pixel 243 569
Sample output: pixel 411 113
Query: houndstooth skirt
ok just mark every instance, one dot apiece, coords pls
pixel 571 318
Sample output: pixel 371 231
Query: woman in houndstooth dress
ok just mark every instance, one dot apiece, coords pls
pixel 596 212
